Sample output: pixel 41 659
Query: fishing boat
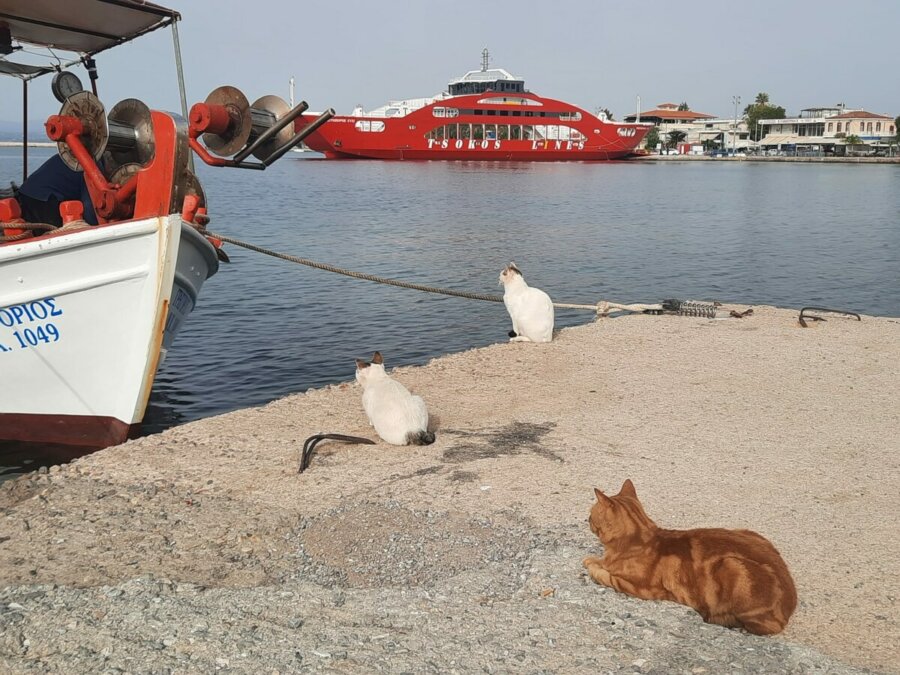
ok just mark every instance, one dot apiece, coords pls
pixel 88 312
pixel 486 114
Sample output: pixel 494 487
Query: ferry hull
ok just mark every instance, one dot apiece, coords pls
pixel 473 128
pixel 85 319
pixel 474 156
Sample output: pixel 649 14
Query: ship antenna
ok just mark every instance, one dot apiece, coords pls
pixel 484 59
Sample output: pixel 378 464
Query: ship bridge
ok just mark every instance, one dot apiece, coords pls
pixel 490 79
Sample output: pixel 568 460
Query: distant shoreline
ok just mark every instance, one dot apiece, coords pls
pixel 31 144
pixel 826 160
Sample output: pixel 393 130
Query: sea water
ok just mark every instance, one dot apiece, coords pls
pixel 749 233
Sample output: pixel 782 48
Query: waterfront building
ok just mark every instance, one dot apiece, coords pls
pixel 702 131
pixel 825 130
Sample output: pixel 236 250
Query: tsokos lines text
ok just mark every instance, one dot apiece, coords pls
pixel 29 324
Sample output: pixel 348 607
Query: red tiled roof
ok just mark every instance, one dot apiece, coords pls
pixel 859 114
pixel 676 114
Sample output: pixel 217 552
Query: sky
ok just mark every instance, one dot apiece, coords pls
pixel 600 53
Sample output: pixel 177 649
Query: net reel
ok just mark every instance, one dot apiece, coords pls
pixel 88 109
pixel 230 127
pixel 131 140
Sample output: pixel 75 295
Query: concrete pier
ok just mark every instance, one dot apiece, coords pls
pixel 201 549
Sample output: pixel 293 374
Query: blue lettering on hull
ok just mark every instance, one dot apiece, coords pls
pixel 29 325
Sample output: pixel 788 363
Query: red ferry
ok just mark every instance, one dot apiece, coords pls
pixel 486 114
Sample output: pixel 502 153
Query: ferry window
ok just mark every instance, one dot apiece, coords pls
pixel 465 131
pixel 452 131
pixel 439 112
pixel 491 112
pixel 515 132
pixel 517 113
pixel 452 112
pixel 528 132
pixel 490 132
pixel 502 132
pixel 529 113
pixel 540 132
pixel 377 125
pixel 439 133
pixel 363 125
pixel 478 131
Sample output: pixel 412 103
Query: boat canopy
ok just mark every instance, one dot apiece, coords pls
pixel 85 27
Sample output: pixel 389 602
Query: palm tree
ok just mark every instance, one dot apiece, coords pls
pixel 675 137
pixel 762 98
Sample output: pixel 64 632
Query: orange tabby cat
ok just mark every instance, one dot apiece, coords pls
pixel 731 577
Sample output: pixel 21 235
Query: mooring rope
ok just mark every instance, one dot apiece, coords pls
pixel 601 308
pixel 377 279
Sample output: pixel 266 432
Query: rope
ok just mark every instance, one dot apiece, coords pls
pixel 602 307
pixel 357 275
pixel 30 227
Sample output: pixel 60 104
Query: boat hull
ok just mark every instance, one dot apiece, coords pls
pixel 526 128
pixel 85 319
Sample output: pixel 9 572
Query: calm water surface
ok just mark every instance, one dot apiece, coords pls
pixel 781 234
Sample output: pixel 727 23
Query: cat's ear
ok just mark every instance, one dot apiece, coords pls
pixel 361 364
pixel 602 498
pixel 628 489
pixel 512 267
pixel 377 358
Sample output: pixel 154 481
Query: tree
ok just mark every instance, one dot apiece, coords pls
pixel 675 137
pixel 897 128
pixel 652 138
pixel 684 106
pixel 761 110
pixel 852 139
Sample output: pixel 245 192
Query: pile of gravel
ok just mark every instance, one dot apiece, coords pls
pixel 379 587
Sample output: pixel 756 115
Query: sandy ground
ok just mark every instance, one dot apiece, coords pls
pixel 753 423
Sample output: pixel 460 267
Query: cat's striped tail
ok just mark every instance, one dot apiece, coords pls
pixel 420 438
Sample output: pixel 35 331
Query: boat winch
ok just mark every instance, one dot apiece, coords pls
pixel 232 128
pixel 117 152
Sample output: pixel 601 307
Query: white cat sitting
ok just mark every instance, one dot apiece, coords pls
pixel 530 309
pixel 400 418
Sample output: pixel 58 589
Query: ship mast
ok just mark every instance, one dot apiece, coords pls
pixel 484 59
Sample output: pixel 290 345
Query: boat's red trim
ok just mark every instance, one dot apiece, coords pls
pixel 78 430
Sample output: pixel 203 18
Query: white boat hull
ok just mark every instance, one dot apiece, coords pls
pixel 85 319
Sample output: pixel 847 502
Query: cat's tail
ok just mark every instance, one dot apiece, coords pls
pixel 420 438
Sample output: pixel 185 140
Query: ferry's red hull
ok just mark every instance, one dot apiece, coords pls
pixel 483 131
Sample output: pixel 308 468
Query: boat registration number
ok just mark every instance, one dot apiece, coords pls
pixel 29 325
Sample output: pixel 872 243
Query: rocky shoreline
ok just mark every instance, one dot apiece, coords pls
pixel 201 549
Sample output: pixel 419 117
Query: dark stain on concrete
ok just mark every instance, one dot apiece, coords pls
pixel 512 439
